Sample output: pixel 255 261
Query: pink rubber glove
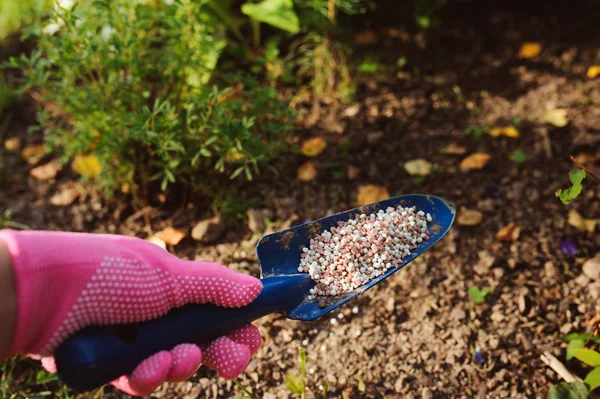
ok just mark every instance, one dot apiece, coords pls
pixel 68 281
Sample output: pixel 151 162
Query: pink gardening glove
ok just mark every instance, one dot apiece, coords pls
pixel 68 281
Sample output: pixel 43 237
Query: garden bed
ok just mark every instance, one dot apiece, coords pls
pixel 418 333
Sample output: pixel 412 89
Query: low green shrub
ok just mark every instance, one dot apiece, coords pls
pixel 134 83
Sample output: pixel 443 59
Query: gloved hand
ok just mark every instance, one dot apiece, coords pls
pixel 68 281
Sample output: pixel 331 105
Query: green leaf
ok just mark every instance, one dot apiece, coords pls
pixel 361 386
pixel 582 337
pixel 576 176
pixel 588 356
pixel 302 355
pixel 294 384
pixel 277 13
pixel 518 157
pixel 574 344
pixel 477 295
pixel 569 390
pixel 593 378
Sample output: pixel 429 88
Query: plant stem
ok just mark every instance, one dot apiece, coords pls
pixel 256 33
pixel 585 169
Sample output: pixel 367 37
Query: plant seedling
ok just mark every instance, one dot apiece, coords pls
pixel 477 295
pixel 567 195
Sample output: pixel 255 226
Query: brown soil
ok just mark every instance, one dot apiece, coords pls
pixel 415 333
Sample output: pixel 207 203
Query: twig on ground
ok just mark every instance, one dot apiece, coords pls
pixel 558 367
pixel 585 169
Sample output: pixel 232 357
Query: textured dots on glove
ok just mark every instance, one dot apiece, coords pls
pixel 229 358
pixel 186 359
pixel 249 336
pixel 123 291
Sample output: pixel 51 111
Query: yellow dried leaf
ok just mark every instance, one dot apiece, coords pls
pixel 454 149
pixel 33 153
pixel 170 235
pixel 12 144
pixel 158 242
pixel 577 221
pixel 46 172
pixel 530 49
pixel 370 193
pixel 232 156
pixel 469 217
pixel 557 117
pixel 418 167
pixel 87 166
pixel 593 71
pixel 508 131
pixel 313 147
pixel 366 37
pixel 509 233
pixel 307 171
pixel 475 161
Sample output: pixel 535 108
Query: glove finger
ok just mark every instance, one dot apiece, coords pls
pixel 147 376
pixel 186 359
pixel 208 282
pixel 249 336
pixel 226 356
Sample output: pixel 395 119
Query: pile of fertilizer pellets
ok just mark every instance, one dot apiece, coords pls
pixel 348 256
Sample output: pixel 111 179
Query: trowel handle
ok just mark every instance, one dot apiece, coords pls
pixel 98 355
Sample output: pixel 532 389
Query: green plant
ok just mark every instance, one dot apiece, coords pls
pixel 577 348
pixel 518 156
pixel 135 84
pixel 14 13
pixel 297 385
pixel 478 295
pixel 6 222
pixel 475 131
pixel 567 195
pixel 319 55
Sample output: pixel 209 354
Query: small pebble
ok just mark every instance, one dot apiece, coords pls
pixel 305 342
pixel 340 316
pixel 355 310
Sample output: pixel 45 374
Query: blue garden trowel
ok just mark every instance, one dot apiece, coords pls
pixel 97 355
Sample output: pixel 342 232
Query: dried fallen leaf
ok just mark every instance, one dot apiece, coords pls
pixel 454 149
pixel 508 131
pixel 47 171
pixel 170 235
pixel 530 49
pixel 418 167
pixel 353 172
pixel 370 193
pixel 593 71
pixel 33 153
pixel 158 242
pixel 469 217
pixel 509 233
pixel 366 37
pixel 313 147
pixel 12 144
pixel 557 117
pixel 578 221
pixel 475 161
pixel 87 166
pixel 65 196
pixel 307 171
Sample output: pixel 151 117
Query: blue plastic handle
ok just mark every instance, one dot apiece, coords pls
pixel 98 355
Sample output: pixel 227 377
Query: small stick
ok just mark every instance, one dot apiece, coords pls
pixel 558 367
pixel 585 169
